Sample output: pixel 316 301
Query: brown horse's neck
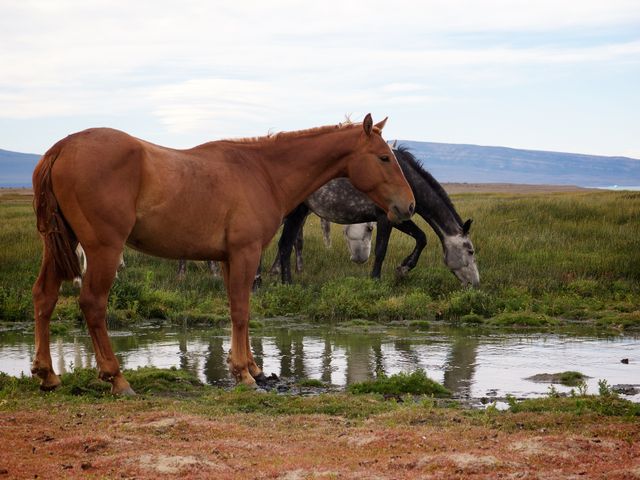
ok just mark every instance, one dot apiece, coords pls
pixel 298 166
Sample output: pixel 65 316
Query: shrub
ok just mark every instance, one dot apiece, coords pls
pixel 522 319
pixel 416 383
pixel 470 301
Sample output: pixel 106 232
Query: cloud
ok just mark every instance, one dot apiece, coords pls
pixel 241 68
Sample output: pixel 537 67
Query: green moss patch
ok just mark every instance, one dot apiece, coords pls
pixel 416 383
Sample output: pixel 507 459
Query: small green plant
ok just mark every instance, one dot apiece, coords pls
pixel 581 390
pixel 552 392
pixel 604 389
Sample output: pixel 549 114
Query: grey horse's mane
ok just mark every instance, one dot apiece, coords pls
pixel 433 183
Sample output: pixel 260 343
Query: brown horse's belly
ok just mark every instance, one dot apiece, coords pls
pixel 175 243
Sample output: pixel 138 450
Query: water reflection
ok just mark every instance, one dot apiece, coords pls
pixel 460 365
pixel 467 363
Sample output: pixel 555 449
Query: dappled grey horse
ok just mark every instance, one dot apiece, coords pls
pixel 357 235
pixel 339 202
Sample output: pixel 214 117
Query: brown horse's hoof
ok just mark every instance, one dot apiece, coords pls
pixel 250 383
pixel 127 392
pixel 120 386
pixel 244 378
pixel 50 384
pixel 48 379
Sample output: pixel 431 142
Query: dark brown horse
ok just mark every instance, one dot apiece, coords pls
pixel 220 201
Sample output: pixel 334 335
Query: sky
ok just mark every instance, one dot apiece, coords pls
pixel 546 75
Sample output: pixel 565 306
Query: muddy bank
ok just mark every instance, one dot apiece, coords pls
pixel 172 439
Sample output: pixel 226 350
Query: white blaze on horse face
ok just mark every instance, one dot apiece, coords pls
pixel 459 256
pixel 358 237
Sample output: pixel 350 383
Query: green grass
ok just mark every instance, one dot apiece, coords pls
pixel 174 389
pixel 544 259
pixel 608 405
pixel 569 378
pixel 416 383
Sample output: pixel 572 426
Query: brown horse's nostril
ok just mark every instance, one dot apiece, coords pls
pixel 412 208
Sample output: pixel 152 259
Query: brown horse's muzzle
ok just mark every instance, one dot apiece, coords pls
pixel 400 211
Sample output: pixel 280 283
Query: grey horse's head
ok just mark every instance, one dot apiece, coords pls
pixel 358 236
pixel 459 256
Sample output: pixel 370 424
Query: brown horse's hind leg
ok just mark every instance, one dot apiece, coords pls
pixel 101 271
pixel 45 296
pixel 239 273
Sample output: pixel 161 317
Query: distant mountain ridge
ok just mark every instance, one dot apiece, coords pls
pixel 480 164
pixel 450 162
pixel 16 168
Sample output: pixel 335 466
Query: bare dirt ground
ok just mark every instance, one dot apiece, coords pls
pixel 140 439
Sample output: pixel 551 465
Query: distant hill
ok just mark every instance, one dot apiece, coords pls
pixel 453 163
pixel 477 164
pixel 16 168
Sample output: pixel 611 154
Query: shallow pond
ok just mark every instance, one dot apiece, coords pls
pixel 470 363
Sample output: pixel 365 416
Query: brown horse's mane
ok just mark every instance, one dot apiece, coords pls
pixel 309 132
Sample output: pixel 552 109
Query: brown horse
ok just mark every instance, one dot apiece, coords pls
pixel 222 201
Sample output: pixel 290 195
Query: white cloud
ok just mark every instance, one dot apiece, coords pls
pixel 239 68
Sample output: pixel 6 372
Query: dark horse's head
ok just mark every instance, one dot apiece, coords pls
pixel 436 207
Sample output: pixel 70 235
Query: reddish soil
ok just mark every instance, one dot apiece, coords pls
pixel 138 440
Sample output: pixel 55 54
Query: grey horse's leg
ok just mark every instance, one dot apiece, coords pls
pixel 326 232
pixel 182 269
pixel 214 268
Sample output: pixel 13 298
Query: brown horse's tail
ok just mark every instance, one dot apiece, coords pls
pixel 59 239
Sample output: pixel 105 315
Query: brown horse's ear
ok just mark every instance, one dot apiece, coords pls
pixel 367 124
pixel 466 227
pixel 380 125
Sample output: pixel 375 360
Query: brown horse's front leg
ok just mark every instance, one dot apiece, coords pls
pixel 239 272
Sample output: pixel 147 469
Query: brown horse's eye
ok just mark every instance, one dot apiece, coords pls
pixel 384 158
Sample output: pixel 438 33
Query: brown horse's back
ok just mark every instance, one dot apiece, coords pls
pixel 165 202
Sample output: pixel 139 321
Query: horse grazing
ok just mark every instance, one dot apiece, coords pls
pixel 338 201
pixel 358 237
pixel 104 189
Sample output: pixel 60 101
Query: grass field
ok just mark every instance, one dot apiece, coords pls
pixel 545 259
